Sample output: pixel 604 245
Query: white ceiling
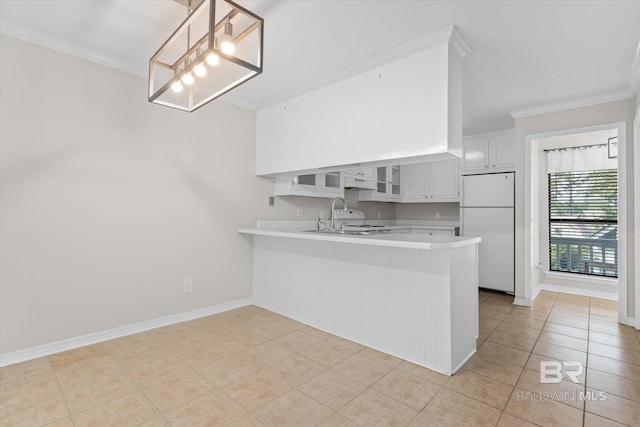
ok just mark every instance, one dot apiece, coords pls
pixel 524 54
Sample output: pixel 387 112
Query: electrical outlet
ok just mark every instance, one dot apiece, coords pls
pixel 378 214
pixel 188 285
pixel 437 215
pixel 300 212
pixel 272 200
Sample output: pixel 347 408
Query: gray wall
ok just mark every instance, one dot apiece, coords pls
pixel 108 203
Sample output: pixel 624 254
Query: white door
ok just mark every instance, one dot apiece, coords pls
pixel 495 226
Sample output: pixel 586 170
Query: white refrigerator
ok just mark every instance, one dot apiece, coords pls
pixel 487 211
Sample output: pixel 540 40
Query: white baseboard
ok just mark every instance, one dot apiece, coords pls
pixel 97 337
pixel 571 290
pixel 525 302
pixel 630 321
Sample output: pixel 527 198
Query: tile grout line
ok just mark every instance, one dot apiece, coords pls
pixel 513 388
pixel 586 369
pixel 529 357
pixel 174 351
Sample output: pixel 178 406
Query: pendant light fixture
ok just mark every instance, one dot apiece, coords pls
pixel 217 48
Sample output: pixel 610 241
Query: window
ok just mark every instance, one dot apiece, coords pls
pixel 583 222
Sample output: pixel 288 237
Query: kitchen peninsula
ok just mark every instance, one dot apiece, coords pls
pixel 409 294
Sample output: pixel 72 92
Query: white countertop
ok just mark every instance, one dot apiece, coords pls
pixel 392 239
pixel 393 223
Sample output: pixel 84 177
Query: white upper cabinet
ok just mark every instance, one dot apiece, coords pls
pixel 401 107
pixel 388 186
pixel 430 182
pixel 503 152
pixel 475 153
pixel 443 178
pixel 414 182
pixel 326 184
pixel 488 153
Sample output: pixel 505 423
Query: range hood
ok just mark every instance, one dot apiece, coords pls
pixel 400 107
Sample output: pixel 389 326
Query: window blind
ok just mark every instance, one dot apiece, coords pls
pixel 583 222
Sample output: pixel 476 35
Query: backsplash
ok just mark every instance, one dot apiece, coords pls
pixel 428 211
pixel 299 207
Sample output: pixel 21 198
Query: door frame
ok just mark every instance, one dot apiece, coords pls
pixel 636 210
pixel 530 169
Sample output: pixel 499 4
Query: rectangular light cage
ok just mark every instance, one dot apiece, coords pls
pixel 218 47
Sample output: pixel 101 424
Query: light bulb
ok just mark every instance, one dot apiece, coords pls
pixel 228 47
pixel 176 87
pixel 200 70
pixel 213 59
pixel 187 79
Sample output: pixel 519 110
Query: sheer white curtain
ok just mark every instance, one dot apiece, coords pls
pixel 576 159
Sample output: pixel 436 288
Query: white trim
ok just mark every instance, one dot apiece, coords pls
pixel 448 34
pixel 570 105
pixel 635 72
pixel 493 134
pixel 530 144
pixel 465 360
pixel 636 198
pixel 528 212
pixel 574 291
pixel 536 292
pixel 458 43
pixel 522 301
pixel 28 35
pixel 230 99
pixel 596 280
pixel 97 337
pixel 623 226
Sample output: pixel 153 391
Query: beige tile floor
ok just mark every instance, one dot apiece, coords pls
pixel 251 367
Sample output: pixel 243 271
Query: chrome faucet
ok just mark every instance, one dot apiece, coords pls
pixel 333 207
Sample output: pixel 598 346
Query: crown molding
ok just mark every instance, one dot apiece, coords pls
pixel 235 101
pixel 493 133
pixel 459 44
pixel 30 36
pixel 21 33
pixel 446 35
pixel 635 72
pixel 570 105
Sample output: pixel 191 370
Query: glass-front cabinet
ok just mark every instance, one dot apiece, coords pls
pixel 333 180
pixel 325 184
pixel 387 185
